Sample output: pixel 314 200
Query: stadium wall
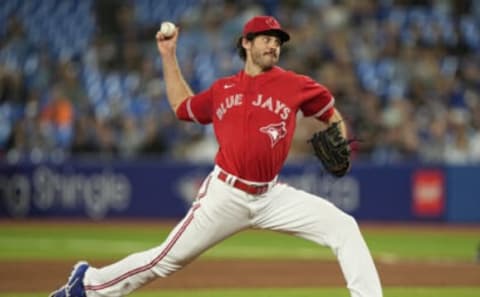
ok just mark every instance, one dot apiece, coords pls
pixel 151 189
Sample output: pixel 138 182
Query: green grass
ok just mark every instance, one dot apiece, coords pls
pixel 21 242
pixel 16 242
pixel 307 292
pixel 424 245
pixel 107 241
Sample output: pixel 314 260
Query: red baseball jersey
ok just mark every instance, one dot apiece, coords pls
pixel 254 118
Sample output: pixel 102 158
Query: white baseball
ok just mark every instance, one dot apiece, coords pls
pixel 167 29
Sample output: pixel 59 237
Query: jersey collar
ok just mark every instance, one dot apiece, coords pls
pixel 274 70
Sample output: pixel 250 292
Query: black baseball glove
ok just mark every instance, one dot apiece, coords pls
pixel 332 149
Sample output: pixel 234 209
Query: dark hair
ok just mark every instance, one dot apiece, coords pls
pixel 240 50
pixel 250 36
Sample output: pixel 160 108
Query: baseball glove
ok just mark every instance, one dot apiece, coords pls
pixel 332 149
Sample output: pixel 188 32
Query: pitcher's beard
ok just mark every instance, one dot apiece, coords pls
pixel 265 62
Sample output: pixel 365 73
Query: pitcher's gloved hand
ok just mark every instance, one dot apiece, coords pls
pixel 332 149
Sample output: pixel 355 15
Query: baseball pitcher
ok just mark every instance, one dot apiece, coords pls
pixel 253 114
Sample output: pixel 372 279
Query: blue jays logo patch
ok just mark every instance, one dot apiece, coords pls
pixel 275 132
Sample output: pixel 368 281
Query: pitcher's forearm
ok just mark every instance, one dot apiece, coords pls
pixel 337 117
pixel 176 86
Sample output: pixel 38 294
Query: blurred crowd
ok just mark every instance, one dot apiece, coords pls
pixel 83 77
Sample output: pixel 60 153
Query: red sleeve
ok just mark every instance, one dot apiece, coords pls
pixel 197 108
pixel 317 99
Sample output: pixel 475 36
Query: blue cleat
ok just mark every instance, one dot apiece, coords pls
pixel 74 286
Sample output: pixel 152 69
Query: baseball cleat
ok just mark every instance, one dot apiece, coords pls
pixel 74 286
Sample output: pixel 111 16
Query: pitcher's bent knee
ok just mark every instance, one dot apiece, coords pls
pixel 350 224
pixel 347 227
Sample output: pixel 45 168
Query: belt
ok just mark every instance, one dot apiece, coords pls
pixel 248 188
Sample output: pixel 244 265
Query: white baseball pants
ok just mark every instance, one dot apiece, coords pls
pixel 221 211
